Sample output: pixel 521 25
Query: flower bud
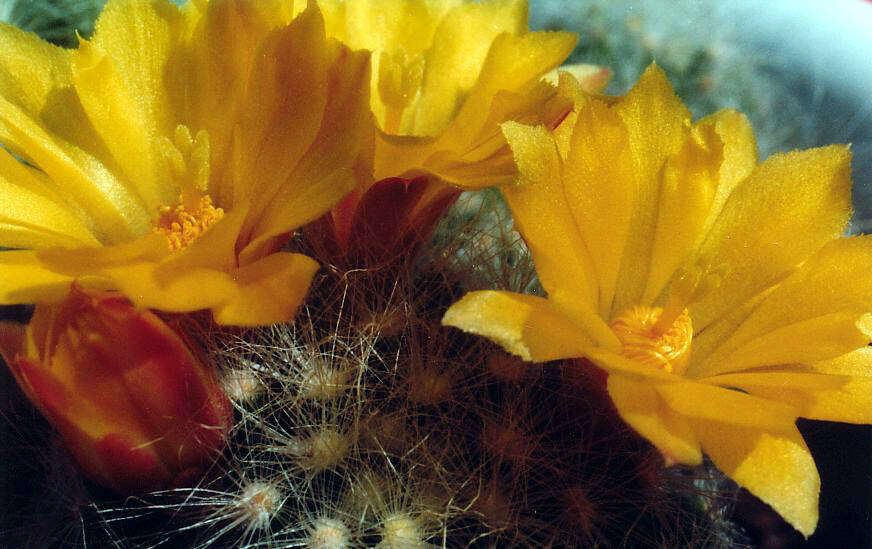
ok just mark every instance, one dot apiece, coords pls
pixel 133 404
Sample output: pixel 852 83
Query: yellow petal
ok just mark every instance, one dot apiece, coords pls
pixel 785 211
pixel 34 214
pixel 658 124
pixel 285 102
pixel 210 88
pixel 702 401
pixel 119 78
pixel 815 396
pixel 524 325
pixel 687 191
pixel 599 187
pixel 513 63
pixel 814 315
pixel 398 32
pixel 114 211
pixel 855 363
pixel 542 215
pixel 639 404
pixel 739 156
pixel 177 291
pixel 89 260
pixel 775 466
pixel 26 280
pixel 308 200
pixel 268 291
pixel 35 77
pixel 461 44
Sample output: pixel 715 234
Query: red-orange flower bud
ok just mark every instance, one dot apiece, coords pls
pixel 133 404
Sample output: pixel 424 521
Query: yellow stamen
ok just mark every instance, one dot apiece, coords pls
pixel 182 226
pixel 645 341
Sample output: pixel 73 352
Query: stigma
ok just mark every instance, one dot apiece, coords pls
pixel 648 340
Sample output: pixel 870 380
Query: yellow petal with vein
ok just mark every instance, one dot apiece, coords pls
pixel 307 201
pixel 689 185
pixel 600 191
pixel 524 325
pixel 26 280
pixel 34 214
pixel 739 156
pixel 657 123
pixel 543 216
pixel 285 105
pixel 775 466
pixel 114 211
pixel 120 79
pixel 816 314
pixel 815 396
pixel 702 401
pixel 178 291
pixel 268 291
pixel 210 89
pixel 453 64
pixel 514 63
pixel 639 404
pixel 785 211
pixel 35 77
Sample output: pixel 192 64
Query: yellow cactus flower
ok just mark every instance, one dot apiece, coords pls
pixel 445 74
pixel 170 156
pixel 718 294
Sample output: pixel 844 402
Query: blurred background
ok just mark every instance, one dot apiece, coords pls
pixel 801 70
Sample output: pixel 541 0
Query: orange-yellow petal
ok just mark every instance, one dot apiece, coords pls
pixel 815 396
pixel 820 312
pixel 600 190
pixel 657 123
pixel 788 208
pixel 524 325
pixel 268 291
pixel 775 466
pixel 34 213
pixel 285 103
pixel 26 280
pixel 639 404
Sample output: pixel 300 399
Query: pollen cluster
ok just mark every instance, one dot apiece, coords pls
pixel 645 342
pixel 182 226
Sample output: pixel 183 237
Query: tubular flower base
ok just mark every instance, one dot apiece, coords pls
pixel 716 293
pixel 383 226
pixel 162 166
pixel 134 406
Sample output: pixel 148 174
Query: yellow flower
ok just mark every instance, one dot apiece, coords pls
pixel 445 74
pixel 717 293
pixel 170 156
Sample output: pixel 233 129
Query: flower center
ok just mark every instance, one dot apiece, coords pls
pixel 182 226
pixel 646 340
pixel 187 160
